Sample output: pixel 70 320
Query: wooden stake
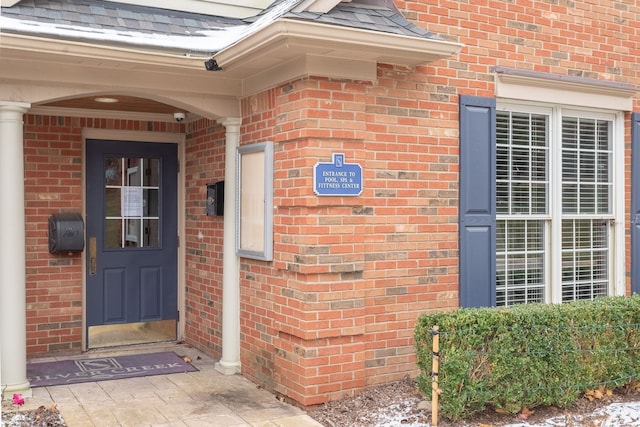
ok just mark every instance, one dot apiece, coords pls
pixel 435 390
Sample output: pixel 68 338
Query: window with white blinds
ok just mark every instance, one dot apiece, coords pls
pixel 554 205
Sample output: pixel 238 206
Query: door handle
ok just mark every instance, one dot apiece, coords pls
pixel 93 263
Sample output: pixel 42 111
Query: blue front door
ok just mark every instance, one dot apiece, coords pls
pixel 132 243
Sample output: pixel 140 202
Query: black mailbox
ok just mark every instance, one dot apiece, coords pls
pixel 215 198
pixel 66 233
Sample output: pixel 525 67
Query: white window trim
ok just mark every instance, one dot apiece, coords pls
pixel 526 85
pixel 617 255
pixel 619 282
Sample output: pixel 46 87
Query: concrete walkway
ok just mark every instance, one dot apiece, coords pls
pixel 203 398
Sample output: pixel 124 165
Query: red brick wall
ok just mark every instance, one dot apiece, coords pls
pixel 595 38
pixel 598 39
pixel 204 164
pixel 53 183
pixel 259 281
pixel 335 310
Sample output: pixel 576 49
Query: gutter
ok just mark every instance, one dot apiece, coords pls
pixel 375 45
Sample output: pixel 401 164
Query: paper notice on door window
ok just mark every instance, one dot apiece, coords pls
pixel 131 201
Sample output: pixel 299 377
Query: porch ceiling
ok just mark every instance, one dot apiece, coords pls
pixel 116 102
pixel 52 73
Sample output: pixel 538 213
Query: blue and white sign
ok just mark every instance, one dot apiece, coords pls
pixel 337 178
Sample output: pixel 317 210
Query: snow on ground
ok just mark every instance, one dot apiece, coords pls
pixel 624 414
pixel 400 405
pixel 397 414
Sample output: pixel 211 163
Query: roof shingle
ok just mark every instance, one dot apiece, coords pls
pixel 116 16
pixel 374 15
pixel 126 23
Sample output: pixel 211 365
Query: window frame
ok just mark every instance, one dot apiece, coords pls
pixel 553 220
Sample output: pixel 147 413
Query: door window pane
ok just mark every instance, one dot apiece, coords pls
pixel 132 234
pixel 132 200
pixel 150 233
pixel 150 202
pixel 152 173
pixel 112 202
pixel 113 171
pixel 113 233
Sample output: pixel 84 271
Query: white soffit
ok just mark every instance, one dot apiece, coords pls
pixel 9 3
pixel 309 65
pixel 560 89
pixel 285 39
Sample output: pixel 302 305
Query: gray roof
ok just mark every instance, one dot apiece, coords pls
pixel 373 15
pixel 116 16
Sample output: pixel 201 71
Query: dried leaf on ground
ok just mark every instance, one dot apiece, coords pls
pixel 401 404
pixel 40 417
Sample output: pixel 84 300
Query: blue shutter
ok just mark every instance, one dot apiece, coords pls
pixel 477 202
pixel 635 203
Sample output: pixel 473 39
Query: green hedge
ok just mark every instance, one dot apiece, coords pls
pixel 529 355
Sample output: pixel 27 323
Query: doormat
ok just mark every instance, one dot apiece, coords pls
pixel 107 368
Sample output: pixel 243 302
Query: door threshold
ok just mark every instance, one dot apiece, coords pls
pixel 125 334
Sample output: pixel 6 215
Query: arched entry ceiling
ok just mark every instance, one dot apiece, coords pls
pixel 108 102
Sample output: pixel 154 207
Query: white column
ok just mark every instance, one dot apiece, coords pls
pixel 13 309
pixel 230 362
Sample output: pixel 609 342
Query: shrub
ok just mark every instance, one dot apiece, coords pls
pixel 529 355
